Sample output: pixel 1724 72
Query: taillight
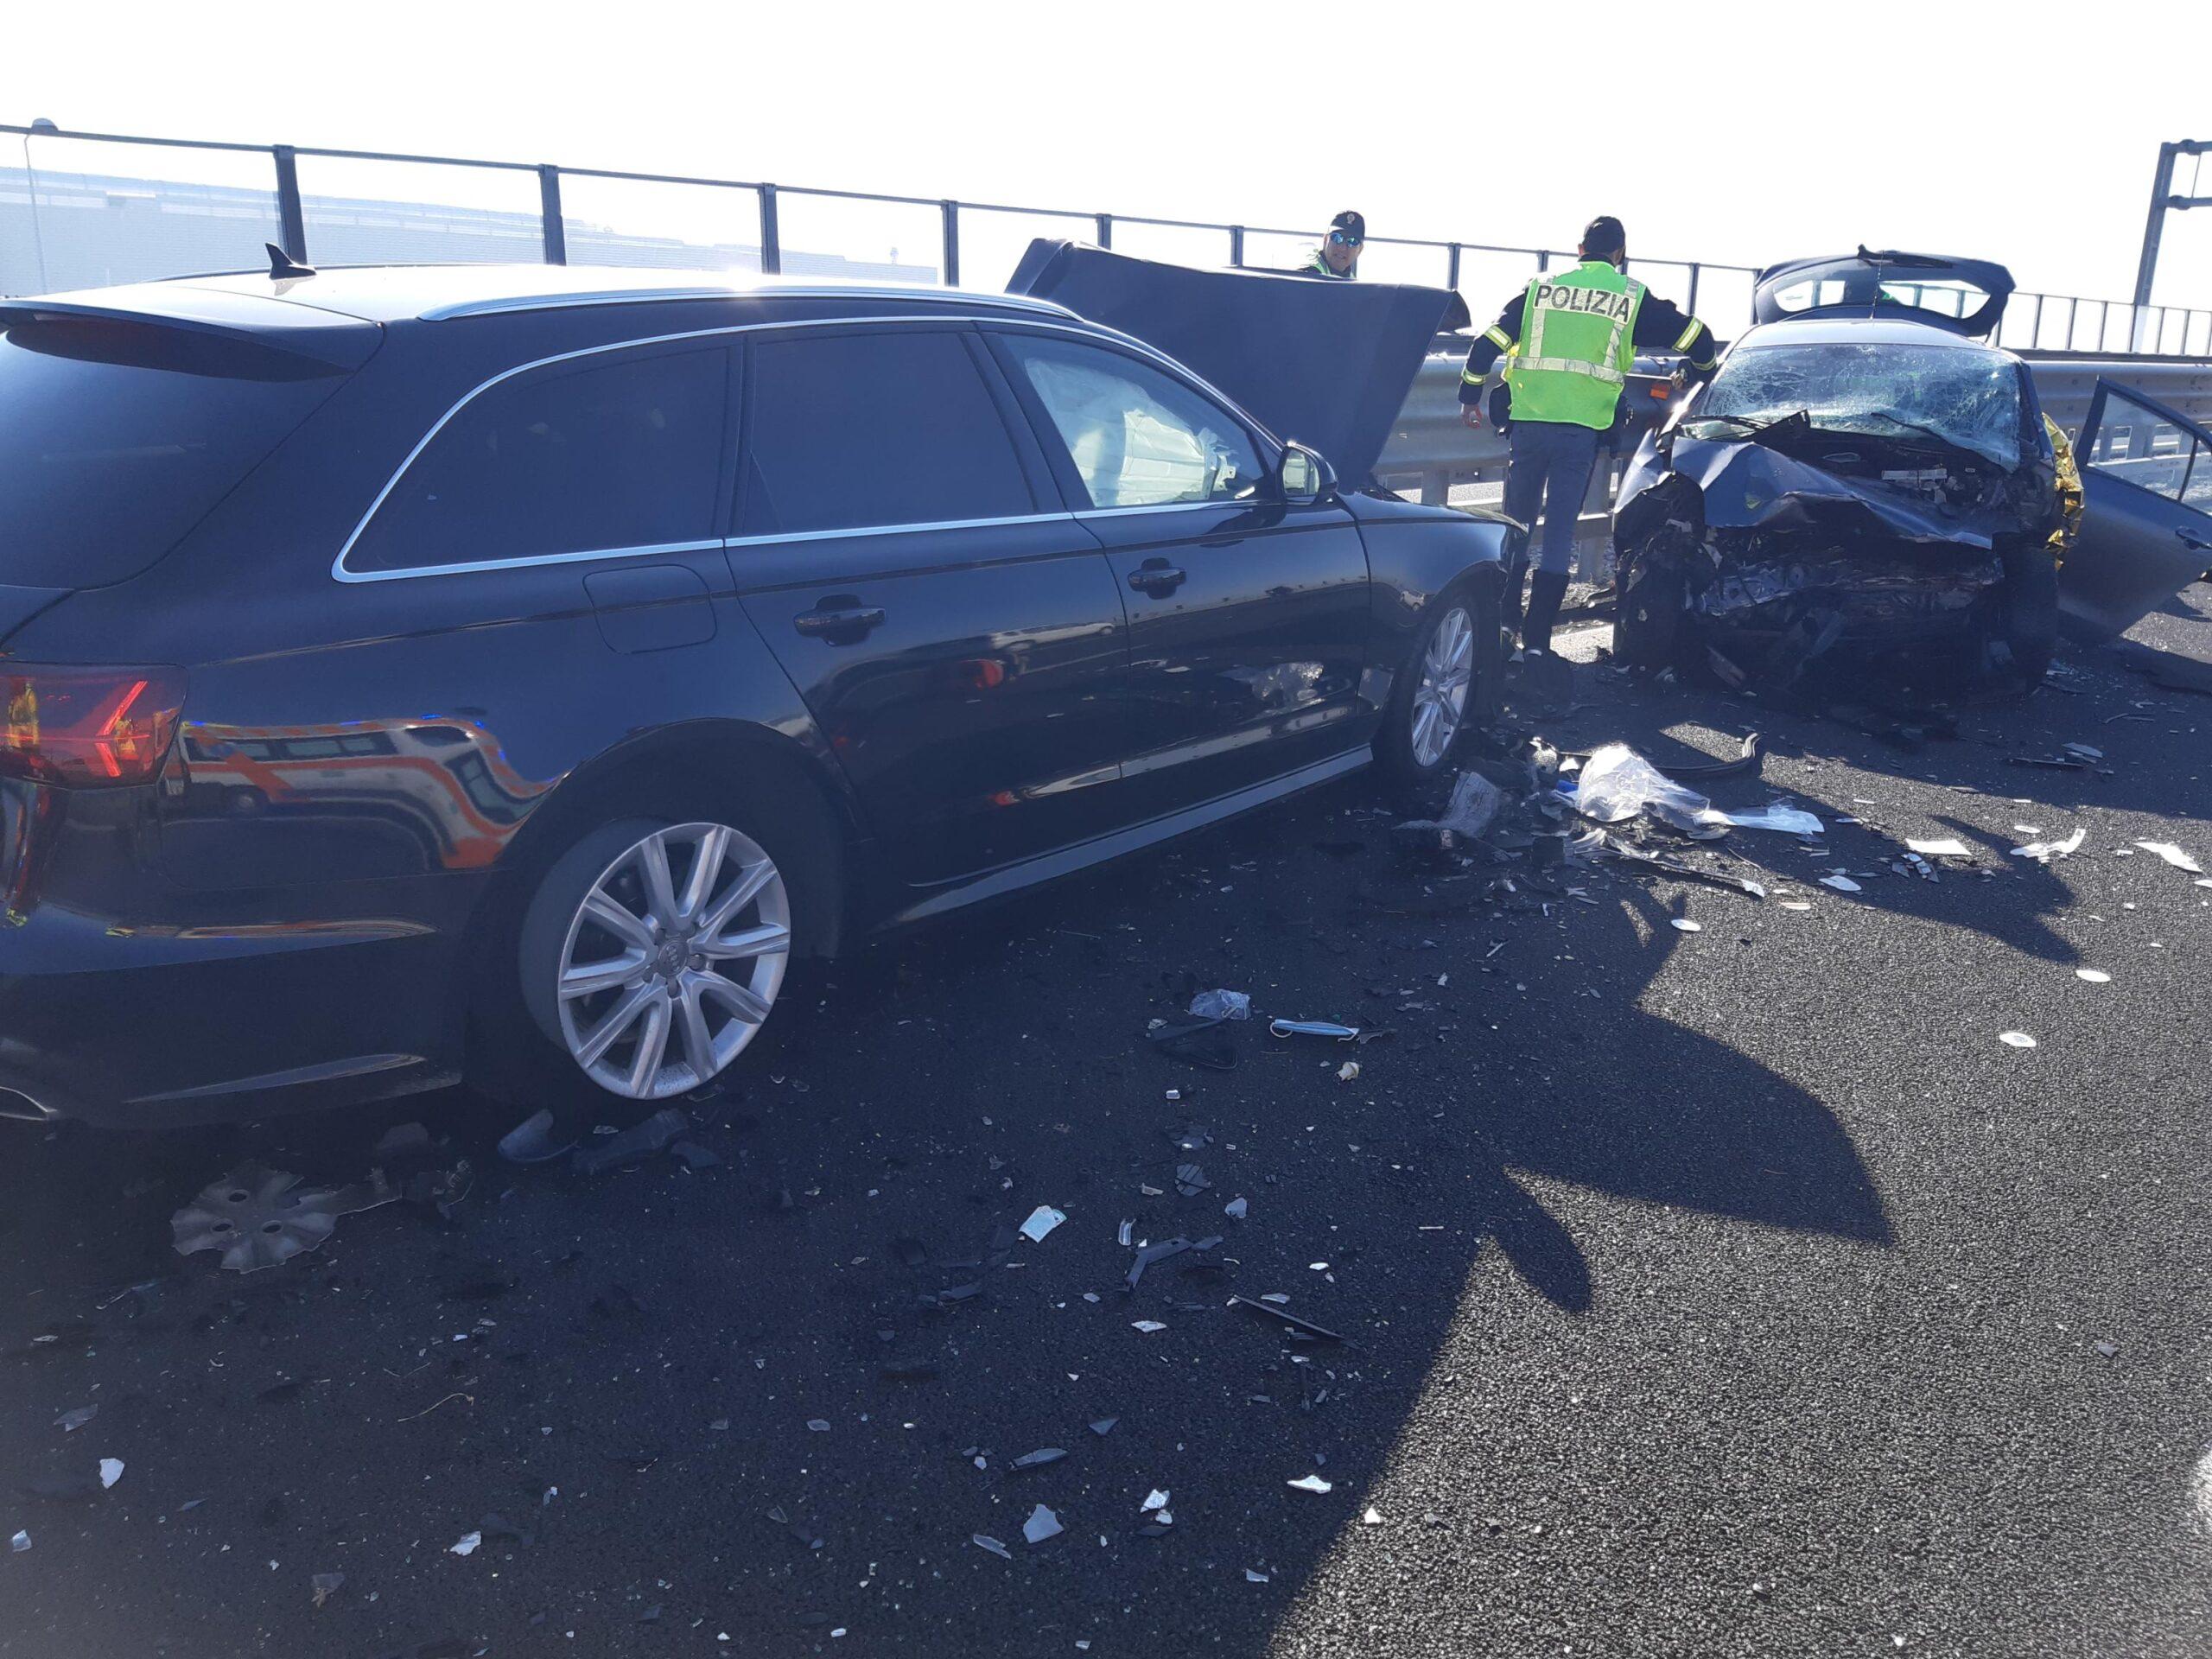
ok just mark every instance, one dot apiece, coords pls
pixel 87 727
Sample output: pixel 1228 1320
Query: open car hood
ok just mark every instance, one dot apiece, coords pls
pixel 1890 285
pixel 1328 364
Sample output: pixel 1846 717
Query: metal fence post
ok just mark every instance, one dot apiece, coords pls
pixel 2035 324
pixel 951 212
pixel 549 212
pixel 1543 260
pixel 772 241
pixel 1452 265
pixel 291 221
pixel 1690 304
pixel 1236 244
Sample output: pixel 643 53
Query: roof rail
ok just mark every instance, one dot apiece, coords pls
pixel 777 290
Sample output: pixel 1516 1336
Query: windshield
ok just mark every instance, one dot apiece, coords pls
pixel 115 438
pixel 1963 396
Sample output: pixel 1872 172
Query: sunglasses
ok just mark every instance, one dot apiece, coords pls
pixel 1345 238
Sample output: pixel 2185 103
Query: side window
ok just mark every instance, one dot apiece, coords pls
pixel 599 452
pixel 1137 438
pixel 2150 452
pixel 851 430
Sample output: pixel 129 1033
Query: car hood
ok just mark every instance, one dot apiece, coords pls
pixel 1749 487
pixel 1328 364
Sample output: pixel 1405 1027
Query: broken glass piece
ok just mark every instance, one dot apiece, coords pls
pixel 2016 1040
pixel 1841 883
pixel 257 1216
pixel 2095 975
pixel 2173 855
pixel 1157 1500
pixel 819 1424
pixel 1152 1252
pixel 1235 1209
pixel 20 1542
pixel 1222 1005
pixel 1190 1180
pixel 1041 1524
pixel 1682 924
pixel 1371 1519
pixel 1946 846
pixel 1250 1577
pixel 1041 1220
pixel 1043 1455
pixel 467 1544
pixel 1312 1483
pixel 1146 1325
pixel 1104 1426
pixel 324 1586
pixel 1348 1071
pixel 111 1471
pixel 2043 851
pixel 984 1540
pixel 69 1420
pixel 1786 820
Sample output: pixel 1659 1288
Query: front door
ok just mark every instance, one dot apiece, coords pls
pixel 2146 517
pixel 1248 616
pixel 958 640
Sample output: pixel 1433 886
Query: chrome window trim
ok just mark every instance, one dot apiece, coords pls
pixel 1075 327
pixel 736 291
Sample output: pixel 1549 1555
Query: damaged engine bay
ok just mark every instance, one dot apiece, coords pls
pixel 1875 503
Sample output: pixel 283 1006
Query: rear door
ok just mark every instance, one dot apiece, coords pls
pixel 2146 518
pixel 956 633
pixel 1247 617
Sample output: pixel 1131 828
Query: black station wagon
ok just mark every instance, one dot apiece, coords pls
pixel 418 673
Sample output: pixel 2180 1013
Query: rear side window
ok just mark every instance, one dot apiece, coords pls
pixel 852 430
pixel 1137 438
pixel 588 456
pixel 116 438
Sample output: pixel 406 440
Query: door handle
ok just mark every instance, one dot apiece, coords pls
pixel 840 621
pixel 2194 544
pixel 1156 577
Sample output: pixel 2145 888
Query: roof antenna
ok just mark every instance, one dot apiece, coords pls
pixel 282 265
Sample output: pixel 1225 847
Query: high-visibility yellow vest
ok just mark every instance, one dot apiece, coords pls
pixel 1578 342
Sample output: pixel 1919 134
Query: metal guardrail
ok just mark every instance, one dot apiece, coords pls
pixel 1432 456
pixel 531 215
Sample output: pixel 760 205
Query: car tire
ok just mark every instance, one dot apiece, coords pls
pixel 1446 685
pixel 695 973
pixel 2030 610
pixel 1648 615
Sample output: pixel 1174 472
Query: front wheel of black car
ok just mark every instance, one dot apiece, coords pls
pixel 2030 609
pixel 1441 689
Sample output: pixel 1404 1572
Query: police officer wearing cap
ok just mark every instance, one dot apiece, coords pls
pixel 1337 258
pixel 1569 341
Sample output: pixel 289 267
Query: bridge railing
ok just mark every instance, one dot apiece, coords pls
pixel 86 209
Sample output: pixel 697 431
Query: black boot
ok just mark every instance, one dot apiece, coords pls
pixel 1546 590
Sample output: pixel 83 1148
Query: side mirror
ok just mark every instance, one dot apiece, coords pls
pixel 1303 477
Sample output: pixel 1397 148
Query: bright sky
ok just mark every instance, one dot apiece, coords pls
pixel 1756 132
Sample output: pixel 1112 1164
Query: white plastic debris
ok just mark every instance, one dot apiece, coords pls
pixel 1222 1005
pixel 1041 1524
pixel 1146 1325
pixel 2095 975
pixel 1157 1500
pixel 2016 1040
pixel 1787 820
pixel 467 1544
pixel 1312 1483
pixel 1371 1518
pixel 1041 1220
pixel 1252 1577
pixel 819 1424
pixel 1683 924
pixel 1841 883
pixel 1348 1071
pixel 2082 751
pixel 1617 783
pixel 20 1542
pixel 1475 802
pixel 1947 846
pixel 984 1540
pixel 1794 904
pixel 70 1420
pixel 2173 855
pixel 2043 851
pixel 111 1471
pixel 1235 1208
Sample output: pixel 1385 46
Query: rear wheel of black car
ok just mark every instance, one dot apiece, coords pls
pixel 649 953
pixel 1648 615
pixel 1438 688
pixel 2030 609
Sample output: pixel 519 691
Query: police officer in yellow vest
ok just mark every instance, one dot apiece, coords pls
pixel 1569 341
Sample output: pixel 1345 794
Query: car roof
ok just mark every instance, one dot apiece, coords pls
pixel 387 293
pixel 1856 331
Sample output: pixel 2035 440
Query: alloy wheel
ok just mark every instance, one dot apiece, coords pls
pixel 673 960
pixel 1440 693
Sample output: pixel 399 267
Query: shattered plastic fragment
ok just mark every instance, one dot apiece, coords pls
pixel 324 1586
pixel 1156 1252
pixel 1251 1577
pixel 1328 1028
pixel 1222 1005
pixel 534 1140
pixel 465 1545
pixel 1190 1180
pixel 2016 1040
pixel 984 1540
pixel 1043 1455
pixel 1235 1208
pixel 1104 1426
pixel 20 1542
pixel 2043 851
pixel 77 1419
pixel 1157 1500
pixel 111 1471
pixel 259 1216
pixel 1312 1483
pixel 1146 1325
pixel 1348 1071
pixel 1041 1220
pixel 1041 1524
pixel 1841 883
pixel 1683 924
pixel 1617 783
pixel 2095 975
pixel 1948 846
pixel 1371 1519
pixel 2173 855
pixel 1475 804
pixel 1787 820
pixel 637 1141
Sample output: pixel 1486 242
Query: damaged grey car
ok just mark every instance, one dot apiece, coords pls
pixel 1862 488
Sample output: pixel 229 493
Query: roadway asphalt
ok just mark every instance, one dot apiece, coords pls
pixel 1735 1292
